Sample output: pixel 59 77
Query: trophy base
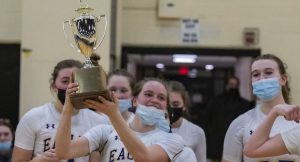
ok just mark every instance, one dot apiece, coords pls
pixel 92 83
pixel 78 98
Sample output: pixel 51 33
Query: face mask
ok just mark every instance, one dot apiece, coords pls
pixel 124 104
pixel 233 92
pixel 266 89
pixel 149 114
pixel 61 94
pixel 5 146
pixel 164 125
pixel 175 114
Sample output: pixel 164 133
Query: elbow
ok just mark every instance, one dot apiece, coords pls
pixel 249 152
pixel 61 155
pixel 142 158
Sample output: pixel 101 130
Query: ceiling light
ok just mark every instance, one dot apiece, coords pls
pixel 182 58
pixel 209 67
pixel 160 65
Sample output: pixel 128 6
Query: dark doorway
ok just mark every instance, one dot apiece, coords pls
pixel 202 87
pixel 10 80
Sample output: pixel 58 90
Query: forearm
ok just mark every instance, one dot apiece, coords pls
pixel 133 144
pixel 63 135
pixel 260 136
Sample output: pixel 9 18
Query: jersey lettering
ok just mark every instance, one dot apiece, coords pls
pixel 47 144
pixel 279 161
pixel 119 154
pixel 111 155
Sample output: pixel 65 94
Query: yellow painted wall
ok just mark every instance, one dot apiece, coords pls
pixel 221 25
pixel 38 26
pixel 42 33
pixel 10 21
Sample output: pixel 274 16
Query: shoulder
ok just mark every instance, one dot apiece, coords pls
pixel 170 142
pixel 291 140
pixel 94 116
pixel 165 136
pixel 244 118
pixel 100 129
pixel 36 113
pixel 194 127
pixel 238 125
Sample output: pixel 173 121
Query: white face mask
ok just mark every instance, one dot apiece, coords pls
pixel 124 104
pixel 266 89
pixel 149 114
pixel 164 125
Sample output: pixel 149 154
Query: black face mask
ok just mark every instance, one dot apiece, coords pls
pixel 233 92
pixel 175 114
pixel 61 95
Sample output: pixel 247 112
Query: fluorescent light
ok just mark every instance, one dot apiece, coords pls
pixel 209 67
pixel 160 65
pixel 182 58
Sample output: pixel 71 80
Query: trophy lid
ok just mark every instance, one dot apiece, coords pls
pixel 83 10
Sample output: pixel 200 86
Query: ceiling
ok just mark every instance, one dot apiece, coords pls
pixel 167 60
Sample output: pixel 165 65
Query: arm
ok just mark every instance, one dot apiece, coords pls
pixel 200 150
pixel 65 148
pixel 259 144
pixel 95 157
pixel 25 139
pixel 133 144
pixel 233 142
pixel 21 155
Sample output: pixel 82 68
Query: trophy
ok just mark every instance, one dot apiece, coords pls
pixel 91 79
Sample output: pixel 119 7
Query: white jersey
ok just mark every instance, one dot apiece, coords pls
pixel 291 140
pixel 37 128
pixel 105 139
pixel 186 155
pixel 242 128
pixel 194 137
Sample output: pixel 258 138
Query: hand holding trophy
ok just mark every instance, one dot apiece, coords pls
pixel 91 79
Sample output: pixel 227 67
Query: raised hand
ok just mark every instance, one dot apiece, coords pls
pixel 104 105
pixel 290 112
pixel 48 156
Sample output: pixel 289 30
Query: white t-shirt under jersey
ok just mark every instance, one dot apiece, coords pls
pixel 105 139
pixel 291 139
pixel 194 137
pixel 37 128
pixel 241 129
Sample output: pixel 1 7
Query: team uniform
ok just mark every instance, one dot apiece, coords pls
pixel 37 128
pixel 291 140
pixel 186 155
pixel 194 137
pixel 243 127
pixel 105 139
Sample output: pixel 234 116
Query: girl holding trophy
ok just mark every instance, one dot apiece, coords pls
pixel 139 140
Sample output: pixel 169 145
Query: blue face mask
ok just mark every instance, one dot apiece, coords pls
pixel 266 89
pixel 5 146
pixel 164 125
pixel 149 114
pixel 124 104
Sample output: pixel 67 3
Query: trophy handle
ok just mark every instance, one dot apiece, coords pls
pixel 104 33
pixel 66 35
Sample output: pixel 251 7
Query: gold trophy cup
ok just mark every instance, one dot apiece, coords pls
pixel 91 79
